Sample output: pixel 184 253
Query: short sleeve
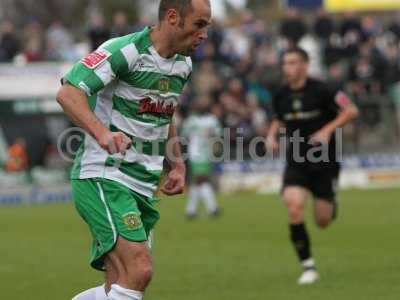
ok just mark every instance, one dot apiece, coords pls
pixel 190 65
pixel 274 112
pixel 99 68
pixel 337 100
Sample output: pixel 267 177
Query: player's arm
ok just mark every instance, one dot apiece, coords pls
pixel 347 112
pixel 175 182
pixel 86 78
pixel 271 142
pixel 75 104
pixel 272 135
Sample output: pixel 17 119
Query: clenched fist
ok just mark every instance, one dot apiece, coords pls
pixel 114 142
pixel 175 183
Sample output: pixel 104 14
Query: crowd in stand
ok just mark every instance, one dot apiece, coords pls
pixel 237 69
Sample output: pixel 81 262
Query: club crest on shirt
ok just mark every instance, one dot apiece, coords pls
pixel 132 220
pixel 95 58
pixel 164 85
pixel 297 105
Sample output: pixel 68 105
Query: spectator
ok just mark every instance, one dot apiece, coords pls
pixel 205 78
pixel 293 27
pixel 33 41
pixel 236 90
pixel 364 77
pixel 324 26
pixel 59 42
pixel 142 23
pixel 120 25
pixel 17 156
pixel 257 89
pixel 392 70
pixel 394 27
pixel 350 23
pixel 236 43
pixel 258 116
pixel 9 45
pixel 370 28
pixel 98 32
pixel 337 76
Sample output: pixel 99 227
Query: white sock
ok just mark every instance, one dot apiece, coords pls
pixel 119 293
pixel 208 196
pixel 97 293
pixel 191 208
pixel 308 264
pixel 150 240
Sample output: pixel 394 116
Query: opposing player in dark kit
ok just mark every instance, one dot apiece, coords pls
pixel 311 113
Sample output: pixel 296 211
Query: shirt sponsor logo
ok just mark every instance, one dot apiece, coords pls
pixel 303 115
pixel 156 107
pixel 95 58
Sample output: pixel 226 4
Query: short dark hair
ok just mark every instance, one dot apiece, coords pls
pixel 182 6
pixel 300 51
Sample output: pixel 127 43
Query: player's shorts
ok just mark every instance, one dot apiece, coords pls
pixel 321 182
pixel 111 210
pixel 198 169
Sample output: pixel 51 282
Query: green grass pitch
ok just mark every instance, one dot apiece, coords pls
pixel 243 255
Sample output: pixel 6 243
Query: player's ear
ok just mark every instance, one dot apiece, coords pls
pixel 172 17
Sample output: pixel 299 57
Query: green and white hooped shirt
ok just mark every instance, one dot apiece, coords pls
pixel 132 89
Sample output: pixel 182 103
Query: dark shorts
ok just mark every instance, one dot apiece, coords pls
pixel 321 182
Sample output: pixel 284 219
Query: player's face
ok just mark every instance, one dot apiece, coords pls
pixel 294 67
pixel 192 30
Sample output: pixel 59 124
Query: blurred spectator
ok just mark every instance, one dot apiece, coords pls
pixel 9 45
pixel 258 89
pixel 324 26
pixel 205 78
pixel 59 42
pixel 350 23
pixel 120 25
pixel 293 27
pixel 352 35
pixel 236 43
pixel 17 156
pixel 98 32
pixel 236 90
pixel 364 77
pixel 33 41
pixel 142 23
pixel 257 115
pixel 394 26
pixel 333 51
pixel 392 70
pixel 370 28
pixel 337 74
pixel 231 113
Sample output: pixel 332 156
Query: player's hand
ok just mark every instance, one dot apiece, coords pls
pixel 272 144
pixel 175 182
pixel 114 142
pixel 321 137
